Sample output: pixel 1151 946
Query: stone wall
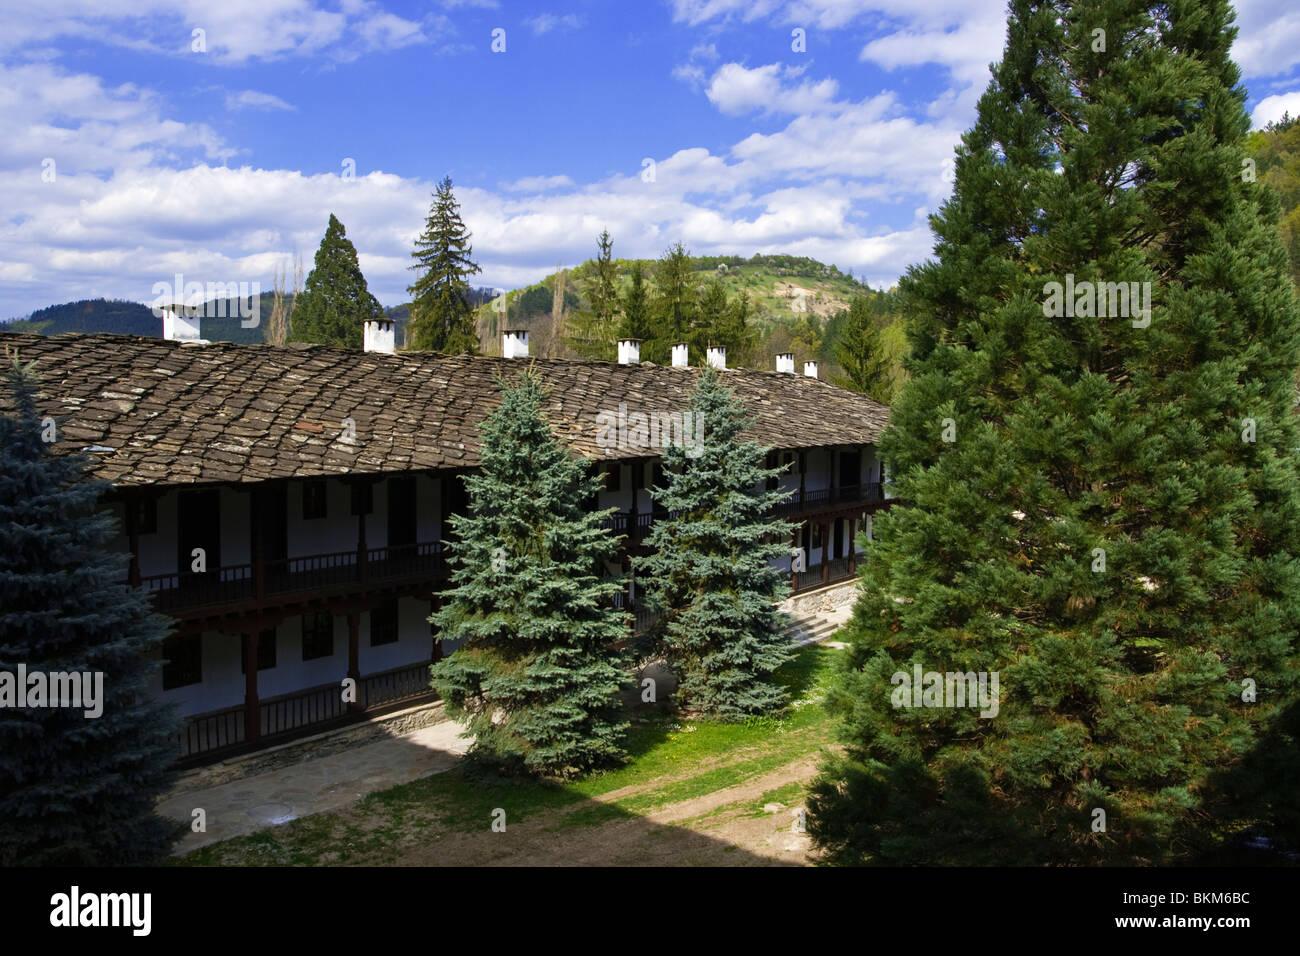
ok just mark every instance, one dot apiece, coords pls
pixel 824 600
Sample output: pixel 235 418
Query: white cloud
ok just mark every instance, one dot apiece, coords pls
pixel 736 89
pixel 537 184
pixel 235 31
pixel 253 100
pixel 1268 41
pixel 1271 108
pixel 546 22
pixel 85 126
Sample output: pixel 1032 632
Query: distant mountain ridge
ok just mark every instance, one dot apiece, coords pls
pixel 221 321
pixel 787 294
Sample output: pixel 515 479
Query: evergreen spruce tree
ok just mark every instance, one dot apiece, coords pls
pixel 1102 506
pixel 636 306
pixel 442 316
pixel 539 675
pixel 709 569
pixel 335 303
pixel 593 331
pixel 734 331
pixel 75 790
pixel 674 306
pixel 710 317
pixel 860 351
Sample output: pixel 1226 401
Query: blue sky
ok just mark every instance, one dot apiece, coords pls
pixel 224 163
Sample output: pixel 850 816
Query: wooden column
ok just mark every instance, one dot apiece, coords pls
pixel 252 706
pixel 362 569
pixel 634 530
pixel 354 656
pixel 794 575
pixel 826 550
pixel 803 472
pixel 129 503
pixel 256 505
pixel 435 604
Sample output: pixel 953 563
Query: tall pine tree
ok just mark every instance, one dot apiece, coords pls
pixel 593 331
pixel 442 316
pixel 75 790
pixel 860 351
pixel 636 306
pixel 710 568
pixel 539 675
pixel 335 303
pixel 1103 503
pixel 674 305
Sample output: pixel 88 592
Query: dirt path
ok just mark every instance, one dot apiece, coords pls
pixel 723 828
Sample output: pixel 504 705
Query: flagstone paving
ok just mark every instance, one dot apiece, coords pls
pixel 313 785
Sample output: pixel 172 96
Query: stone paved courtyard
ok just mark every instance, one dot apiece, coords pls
pixel 312 785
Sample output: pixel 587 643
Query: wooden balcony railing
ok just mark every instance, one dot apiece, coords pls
pixel 314 572
pixel 219 733
pixel 869 493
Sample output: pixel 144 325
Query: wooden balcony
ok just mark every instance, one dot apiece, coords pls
pixel 849 500
pixel 249 584
pixel 223 733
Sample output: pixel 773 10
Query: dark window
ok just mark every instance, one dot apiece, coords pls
pixel 317 635
pixel 363 498
pixel 638 475
pixel 803 463
pixel 146 514
pixel 401 512
pixel 383 624
pixel 184 656
pixel 614 477
pixel 198 526
pixel 313 499
pixel 770 461
pixel 265 652
pixel 850 469
pixel 658 478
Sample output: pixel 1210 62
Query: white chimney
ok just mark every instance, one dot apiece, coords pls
pixel 785 362
pixel 680 355
pixel 629 351
pixel 378 335
pixel 514 343
pixel 809 369
pixel 717 356
pixel 179 326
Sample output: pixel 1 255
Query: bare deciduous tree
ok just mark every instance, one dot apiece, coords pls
pixel 278 325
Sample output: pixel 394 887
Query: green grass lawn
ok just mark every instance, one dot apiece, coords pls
pixel 672 758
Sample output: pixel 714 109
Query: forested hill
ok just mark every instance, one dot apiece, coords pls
pixel 1276 150
pixel 757 307
pixel 133 318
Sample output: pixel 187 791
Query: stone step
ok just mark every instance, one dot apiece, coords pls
pixel 809 629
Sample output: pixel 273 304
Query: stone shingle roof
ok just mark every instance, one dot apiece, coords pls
pixel 179 414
